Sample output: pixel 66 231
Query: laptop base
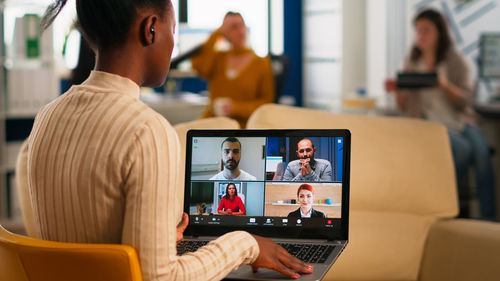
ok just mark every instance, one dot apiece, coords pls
pixel 245 272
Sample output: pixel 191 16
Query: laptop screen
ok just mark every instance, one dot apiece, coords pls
pixel 286 183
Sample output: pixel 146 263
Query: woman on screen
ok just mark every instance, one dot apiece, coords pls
pixel 231 204
pixel 305 197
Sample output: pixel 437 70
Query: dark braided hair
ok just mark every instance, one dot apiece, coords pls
pixel 105 23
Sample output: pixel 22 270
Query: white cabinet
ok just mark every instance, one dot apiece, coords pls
pixel 28 81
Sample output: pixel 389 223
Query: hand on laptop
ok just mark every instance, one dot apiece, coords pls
pixel 274 257
pixel 182 226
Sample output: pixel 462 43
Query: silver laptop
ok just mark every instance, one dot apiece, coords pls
pixel 289 185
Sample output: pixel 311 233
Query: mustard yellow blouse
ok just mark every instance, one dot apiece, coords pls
pixel 252 87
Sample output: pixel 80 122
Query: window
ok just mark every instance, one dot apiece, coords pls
pixel 206 16
pixel 322 52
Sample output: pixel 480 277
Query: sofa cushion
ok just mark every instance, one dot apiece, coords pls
pixel 461 250
pixel 183 128
pixel 397 164
pixel 382 246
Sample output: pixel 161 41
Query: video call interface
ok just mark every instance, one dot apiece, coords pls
pixel 266 181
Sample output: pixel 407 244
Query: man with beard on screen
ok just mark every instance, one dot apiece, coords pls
pixel 231 155
pixel 307 168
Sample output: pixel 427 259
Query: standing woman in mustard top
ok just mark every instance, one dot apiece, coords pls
pixel 239 80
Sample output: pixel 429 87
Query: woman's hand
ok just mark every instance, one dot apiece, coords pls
pixel 443 83
pixel 182 226
pixel 274 257
pixel 390 85
pixel 453 93
pixel 226 26
pixel 223 107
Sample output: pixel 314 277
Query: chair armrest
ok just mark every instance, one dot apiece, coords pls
pixel 461 249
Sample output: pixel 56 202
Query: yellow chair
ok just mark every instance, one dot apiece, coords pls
pixel 28 259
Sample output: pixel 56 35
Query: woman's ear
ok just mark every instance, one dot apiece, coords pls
pixel 148 30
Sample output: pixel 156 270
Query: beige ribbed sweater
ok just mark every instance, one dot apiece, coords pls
pixel 102 168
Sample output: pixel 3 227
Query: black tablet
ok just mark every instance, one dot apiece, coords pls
pixel 415 80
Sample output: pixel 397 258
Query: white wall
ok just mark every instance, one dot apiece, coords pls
pixel 322 52
pixel 277 26
pixel 255 199
pixel 376 47
pixel 210 14
pixel 388 39
pixel 251 156
pixel 353 45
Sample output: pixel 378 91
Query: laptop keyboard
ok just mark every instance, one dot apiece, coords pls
pixel 189 246
pixel 309 253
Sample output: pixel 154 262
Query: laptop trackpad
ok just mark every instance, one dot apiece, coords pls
pixel 245 273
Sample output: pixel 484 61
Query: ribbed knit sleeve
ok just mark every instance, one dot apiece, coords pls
pixel 102 168
pixel 151 204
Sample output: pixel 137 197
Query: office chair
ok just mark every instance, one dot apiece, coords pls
pixel 174 63
pixel 280 65
pixel 28 259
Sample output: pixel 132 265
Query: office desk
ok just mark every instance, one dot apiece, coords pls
pixel 488 110
pixel 490 126
pixel 176 108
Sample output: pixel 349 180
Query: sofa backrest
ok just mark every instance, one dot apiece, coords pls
pixel 397 164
